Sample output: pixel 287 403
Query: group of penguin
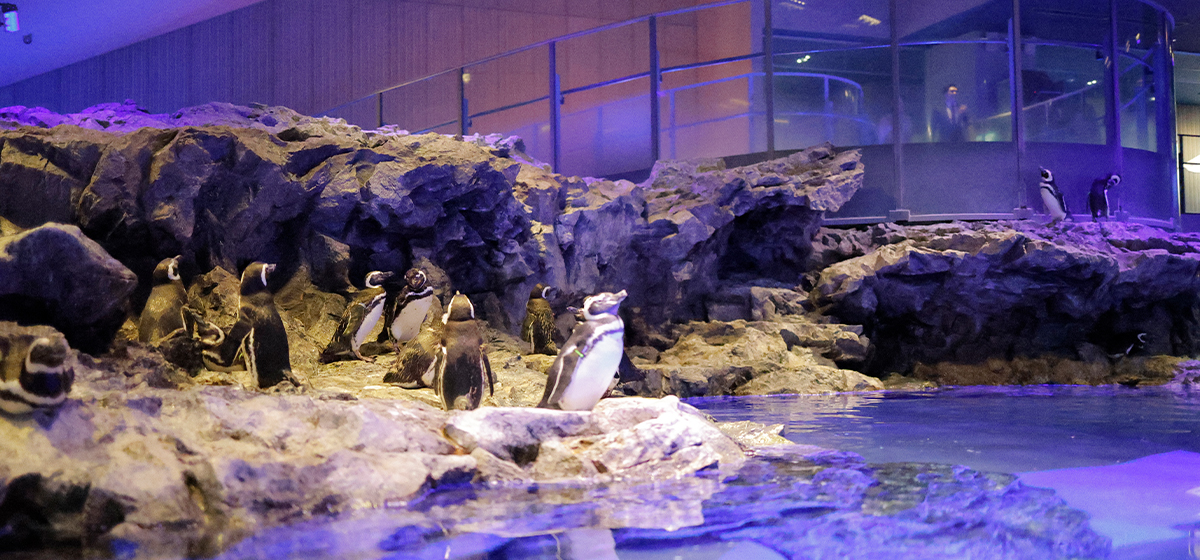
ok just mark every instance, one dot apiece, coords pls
pixel 445 353
pixel 1056 202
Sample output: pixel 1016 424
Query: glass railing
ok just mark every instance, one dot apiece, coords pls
pixel 585 108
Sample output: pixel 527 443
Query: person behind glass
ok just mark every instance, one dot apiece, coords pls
pixel 950 121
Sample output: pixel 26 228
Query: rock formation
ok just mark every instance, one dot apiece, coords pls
pixel 966 293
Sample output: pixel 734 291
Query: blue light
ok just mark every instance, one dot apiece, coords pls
pixel 11 23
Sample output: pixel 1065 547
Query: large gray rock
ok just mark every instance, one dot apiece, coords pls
pixel 224 185
pixel 54 275
pixel 968 292
pixel 751 358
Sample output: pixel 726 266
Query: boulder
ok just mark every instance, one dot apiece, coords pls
pixel 54 275
pixel 966 293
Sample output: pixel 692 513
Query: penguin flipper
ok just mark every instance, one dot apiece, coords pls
pixel 341 346
pixel 559 376
pixel 487 366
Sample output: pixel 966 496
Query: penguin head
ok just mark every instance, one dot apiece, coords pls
pixel 542 291
pixel 46 355
pixel 604 303
pixel 208 334
pixel 416 279
pixel 254 278
pixel 167 271
pixel 1113 180
pixel 376 278
pixel 1047 176
pixel 460 309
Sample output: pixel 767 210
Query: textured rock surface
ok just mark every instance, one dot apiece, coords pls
pixel 224 185
pixel 969 292
pixel 742 357
pixel 55 275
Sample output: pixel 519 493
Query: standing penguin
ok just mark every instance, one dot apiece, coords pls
pixel 462 365
pixel 34 371
pixel 1098 195
pixel 407 307
pixel 584 369
pixel 1052 197
pixel 163 314
pixel 359 318
pixel 538 327
pixel 258 341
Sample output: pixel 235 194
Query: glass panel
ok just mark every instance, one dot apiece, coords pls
pixel 498 91
pixel 955 87
pixel 833 73
pixel 1063 62
pixel 606 131
pixel 1189 147
pixel 707 112
pixel 1137 31
pixel 362 113
pixel 429 105
pixel 531 122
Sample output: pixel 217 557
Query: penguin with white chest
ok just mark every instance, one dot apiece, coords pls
pixel 462 365
pixel 258 341
pixel 584 369
pixel 538 326
pixel 34 368
pixel 408 307
pixel 358 320
pixel 163 317
pixel 1052 197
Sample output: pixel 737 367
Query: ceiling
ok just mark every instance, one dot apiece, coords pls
pixel 68 31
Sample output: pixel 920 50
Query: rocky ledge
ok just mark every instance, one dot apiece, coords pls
pixel 142 463
pixel 1015 302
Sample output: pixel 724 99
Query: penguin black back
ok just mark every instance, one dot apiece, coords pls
pixel 162 316
pixel 265 345
pixel 462 365
pixel 415 365
pixel 538 327
pixel 1098 195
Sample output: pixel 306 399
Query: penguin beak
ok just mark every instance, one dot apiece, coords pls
pixel 270 268
pixel 621 295
pixel 387 274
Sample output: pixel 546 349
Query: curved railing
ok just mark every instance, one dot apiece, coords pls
pixel 613 128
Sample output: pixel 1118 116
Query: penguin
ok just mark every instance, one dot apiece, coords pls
pixel 462 365
pixel 34 370
pixel 257 342
pixel 406 308
pixel 1052 197
pixel 1122 345
pixel 414 367
pixel 1098 195
pixel 584 369
pixel 163 315
pixel 358 320
pixel 538 327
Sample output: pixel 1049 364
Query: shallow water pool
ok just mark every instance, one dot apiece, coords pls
pixel 1128 457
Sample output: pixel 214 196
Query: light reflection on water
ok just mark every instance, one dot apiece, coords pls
pixel 1005 429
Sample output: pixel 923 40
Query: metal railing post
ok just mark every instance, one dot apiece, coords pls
pixel 655 76
pixel 1017 95
pixel 769 75
pixel 1112 95
pixel 555 110
pixel 464 116
pixel 898 138
pixel 379 111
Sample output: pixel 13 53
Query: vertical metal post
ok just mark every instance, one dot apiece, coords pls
pixel 379 110
pixel 768 65
pixel 464 123
pixel 898 138
pixel 555 111
pixel 1016 82
pixel 1112 95
pixel 1164 110
pixel 655 75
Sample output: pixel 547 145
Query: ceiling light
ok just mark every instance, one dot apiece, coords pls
pixel 1192 165
pixel 11 24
